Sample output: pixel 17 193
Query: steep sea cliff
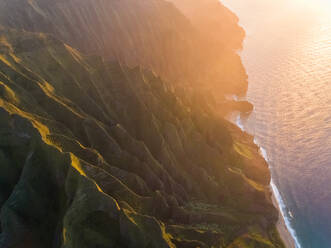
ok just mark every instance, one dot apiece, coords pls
pixel 97 153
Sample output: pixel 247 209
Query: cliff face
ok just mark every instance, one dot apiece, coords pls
pixel 153 34
pixel 95 154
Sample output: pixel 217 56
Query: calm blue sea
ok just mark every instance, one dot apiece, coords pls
pixel 287 55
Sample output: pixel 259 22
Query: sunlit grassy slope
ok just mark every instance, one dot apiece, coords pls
pixel 95 154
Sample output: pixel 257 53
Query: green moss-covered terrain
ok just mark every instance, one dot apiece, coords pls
pixel 95 154
pixel 99 152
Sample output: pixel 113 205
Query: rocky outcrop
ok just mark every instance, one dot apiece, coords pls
pixel 95 154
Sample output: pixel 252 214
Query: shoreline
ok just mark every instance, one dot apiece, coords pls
pixel 282 229
pixel 282 225
pixel 286 232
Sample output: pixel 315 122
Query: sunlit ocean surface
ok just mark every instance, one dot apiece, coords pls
pixel 287 55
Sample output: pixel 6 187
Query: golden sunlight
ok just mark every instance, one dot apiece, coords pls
pixel 323 5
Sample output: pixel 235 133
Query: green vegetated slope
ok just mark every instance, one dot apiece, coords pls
pixel 150 33
pixel 95 154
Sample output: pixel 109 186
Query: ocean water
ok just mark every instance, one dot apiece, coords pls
pixel 287 56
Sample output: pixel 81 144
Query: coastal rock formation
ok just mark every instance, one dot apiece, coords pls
pixel 109 135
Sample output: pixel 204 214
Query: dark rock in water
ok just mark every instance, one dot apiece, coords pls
pixel 96 154
pixel 241 106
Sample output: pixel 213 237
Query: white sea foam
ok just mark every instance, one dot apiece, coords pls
pixel 264 154
pixel 280 201
pixel 239 122
pixel 283 210
pixel 263 151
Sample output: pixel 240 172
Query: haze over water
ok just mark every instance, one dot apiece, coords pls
pixel 287 55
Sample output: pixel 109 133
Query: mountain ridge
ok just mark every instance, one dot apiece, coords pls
pixel 153 34
pixel 97 154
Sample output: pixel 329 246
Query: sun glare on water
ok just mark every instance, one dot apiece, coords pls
pixel 321 5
